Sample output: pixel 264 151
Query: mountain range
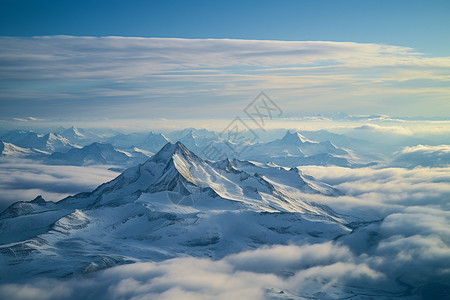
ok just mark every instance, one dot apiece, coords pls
pixel 79 147
pixel 127 149
pixel 49 142
pixel 11 150
pixel 96 154
pixel 173 204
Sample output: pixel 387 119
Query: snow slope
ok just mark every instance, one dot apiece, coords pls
pixel 9 149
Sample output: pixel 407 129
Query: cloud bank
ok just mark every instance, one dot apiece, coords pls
pixel 423 155
pixel 385 190
pixel 23 180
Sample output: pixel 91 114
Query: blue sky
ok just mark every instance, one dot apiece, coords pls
pixel 388 57
pixel 423 25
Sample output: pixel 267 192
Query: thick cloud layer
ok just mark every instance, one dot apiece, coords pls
pixel 23 180
pixel 303 270
pixel 399 266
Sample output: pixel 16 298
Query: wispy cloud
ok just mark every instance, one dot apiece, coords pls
pixel 28 119
pixel 427 149
pixel 108 74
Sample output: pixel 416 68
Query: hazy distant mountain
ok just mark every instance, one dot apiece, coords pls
pixel 73 133
pixel 196 139
pixel 194 133
pixel 295 141
pixel 50 142
pixel 95 154
pixel 151 141
pixel 294 149
pixel 364 150
pixel 80 136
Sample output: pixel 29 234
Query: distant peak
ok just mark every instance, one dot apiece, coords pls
pixel 97 145
pixel 294 137
pixel 38 200
pixel 76 131
pixel 152 133
pixel 157 137
pixel 73 131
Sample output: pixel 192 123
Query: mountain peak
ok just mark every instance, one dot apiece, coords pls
pixel 169 150
pixel 99 145
pixel 159 135
pixel 38 200
pixel 294 138
pixel 75 131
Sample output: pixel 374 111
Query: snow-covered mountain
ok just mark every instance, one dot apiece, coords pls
pixel 295 150
pixel 140 153
pixel 95 154
pixel 197 139
pixel 49 142
pixel 80 136
pixel 151 141
pixel 188 133
pixel 364 150
pixel 182 174
pixel 173 204
pixel 297 143
pixel 9 149
pixel 73 133
pixel 292 150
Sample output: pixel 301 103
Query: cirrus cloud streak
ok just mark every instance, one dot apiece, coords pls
pixel 123 76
